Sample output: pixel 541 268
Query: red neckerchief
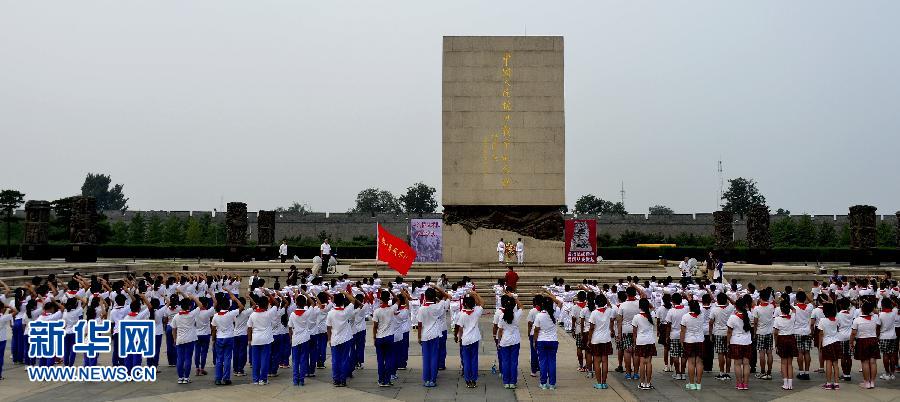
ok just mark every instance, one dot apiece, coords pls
pixel 887 310
pixel 72 292
pixel 537 308
pixel 739 315
pixel 96 294
pixel 259 310
pixel 832 318
pixel 183 312
pixel 867 317
pixel 427 304
pixel 721 305
pixel 602 309
pixel 630 298
pixel 339 308
pixel 581 304
pixel 647 316
pixel 763 304
pixel 132 314
pixel 786 316
pixel 679 307
pixel 845 311
pixel 299 312
pixel 385 305
pixel 802 306
pixel 223 312
pixel 469 312
pixel 402 308
pixel 695 315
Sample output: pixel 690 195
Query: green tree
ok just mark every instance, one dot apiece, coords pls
pixel 206 228
pixel 97 186
pixel 173 231
pixel 805 235
pixel 295 207
pixel 120 233
pixel 782 212
pixel 154 230
pixel 9 201
pixel 783 231
pixel 592 205
pixel 844 240
pixel 661 210
pixel 193 233
pixel 62 216
pixel 419 199
pixel 216 233
pixel 376 201
pixel 137 229
pixel 826 236
pixel 884 235
pixel 741 195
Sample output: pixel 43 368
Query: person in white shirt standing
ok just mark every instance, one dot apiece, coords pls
pixel 339 323
pixel 520 252
pixel 830 348
pixel 283 251
pixel 864 336
pixel 645 343
pixel 260 338
pixel 739 343
pixel 430 328
pixel 468 335
pixel 383 337
pixel 691 337
pixel 184 330
pixel 300 322
pixel 509 342
pixel 501 250
pixel 887 339
pixel 763 315
pixel 222 331
pixel 325 254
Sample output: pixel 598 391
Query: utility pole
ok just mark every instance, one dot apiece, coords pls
pixel 622 193
pixel 721 185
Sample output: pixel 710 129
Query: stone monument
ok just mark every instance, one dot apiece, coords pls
pixel 265 234
pixel 897 232
pixel 37 223
pixel 235 231
pixel 723 233
pixel 82 236
pixel 503 143
pixel 759 239
pixel 863 249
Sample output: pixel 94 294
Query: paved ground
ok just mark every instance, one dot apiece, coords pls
pixel 451 387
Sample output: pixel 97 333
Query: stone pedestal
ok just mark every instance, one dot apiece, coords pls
pixel 37 222
pixel 863 243
pixel 723 234
pixel 481 246
pixel 759 240
pixel 235 232
pixel 82 238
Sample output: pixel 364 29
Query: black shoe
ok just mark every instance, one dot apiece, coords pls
pixel 752 370
pixel 218 382
pixel 619 369
pixel 226 382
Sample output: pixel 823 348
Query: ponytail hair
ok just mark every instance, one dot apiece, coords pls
pixel 509 306
pixel 667 301
pixel 741 305
pixel 547 306
pixel 694 307
pixel 644 305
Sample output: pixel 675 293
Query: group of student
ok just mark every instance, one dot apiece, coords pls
pixel 844 319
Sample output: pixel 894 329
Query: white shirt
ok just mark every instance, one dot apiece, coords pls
pixel 70 318
pixel 693 327
pixel 520 247
pixel 384 316
pixel 738 335
pixel 546 326
pixel 430 317
pixel 340 321
pixel 845 322
pixel 501 247
pixel 803 313
pixel 888 322
pixel 203 318
pixel 829 330
pixel 282 249
pixel 719 316
pixel 675 315
pixel 5 325
pixel 601 319
pixel 627 311
pixel 511 335
pixel 468 321
pixel 531 316
pixel 260 322
pixel 300 321
pixel 866 326
pixel 326 249
pixel 784 325
pixel 764 316
pixel 645 330
pixel 401 323
pixel 240 321
pixel 224 323
pixel 184 324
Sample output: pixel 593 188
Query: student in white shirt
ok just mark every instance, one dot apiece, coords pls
pixel 7 316
pixel 601 335
pixel 300 322
pixel 509 342
pixel 802 331
pixel 864 335
pixel 468 335
pixel 830 348
pixel 546 341
pixel 383 337
pixel 532 314
pixel 691 336
pixel 520 252
pixel 718 319
pixel 340 336
pixel 260 338
pixel 203 334
pixel 70 317
pixel 430 327
pixel 676 349
pixel 763 315
pixel 222 327
pixel 240 337
pixel 184 330
pixel 785 343
pixel 318 335
pixel 739 343
pixel 644 343
pixel 887 339
pixel 358 325
pixel 501 250
pixel 402 326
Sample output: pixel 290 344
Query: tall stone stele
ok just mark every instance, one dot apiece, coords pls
pixel 723 232
pixel 759 239
pixel 235 231
pixel 863 249
pixel 37 223
pixel 897 232
pixel 265 234
pixel 82 236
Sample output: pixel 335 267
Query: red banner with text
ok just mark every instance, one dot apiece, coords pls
pixel 581 241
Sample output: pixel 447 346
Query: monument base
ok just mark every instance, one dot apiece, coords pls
pixel 35 251
pixel 867 256
pixel 236 253
pixel 265 253
pixel 81 253
pixel 481 246
pixel 759 256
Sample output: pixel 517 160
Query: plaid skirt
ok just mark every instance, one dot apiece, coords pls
pixel 664 334
pixel 693 349
pixel 786 346
pixel 620 344
pixel 720 344
pixel 832 351
pixel 739 352
pixel 764 342
pixel 675 348
pixel 887 346
pixel 601 349
pixel 845 348
pixel 804 342
pixel 628 341
pixel 579 340
pixel 866 348
pixel 648 350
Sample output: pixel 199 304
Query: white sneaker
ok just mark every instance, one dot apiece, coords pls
pixel 884 376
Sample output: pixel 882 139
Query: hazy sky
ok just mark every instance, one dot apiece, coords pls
pixel 269 102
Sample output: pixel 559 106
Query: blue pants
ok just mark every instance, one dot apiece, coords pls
pixel 359 347
pixel 154 361
pixel 547 361
pixel 312 355
pixel 534 355
pixel 29 360
pixel 300 362
pixel 68 353
pixel 469 355
pixel 170 346
pixel 90 361
pixel 340 362
pixel 2 352
pixel 442 351
pixel 116 359
pixel 384 350
pixel 224 350
pixel 275 355
pixel 401 352
pixel 260 360
pixel 131 361
pixel 18 341
pixel 430 359
pixel 201 352
pixel 321 343
pixel 285 357
pixel 183 354
pixel 509 363
pixel 240 353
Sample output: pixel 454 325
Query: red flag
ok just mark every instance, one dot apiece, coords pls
pixel 394 251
